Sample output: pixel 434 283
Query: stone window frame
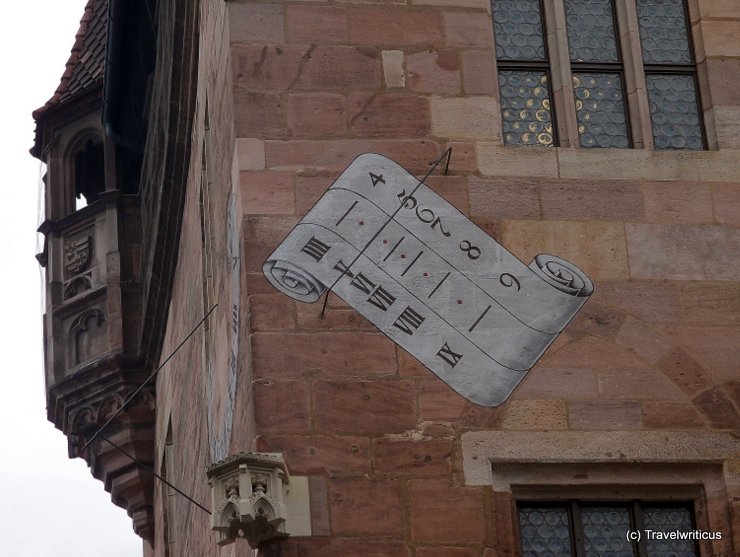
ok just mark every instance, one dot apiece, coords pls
pixel 637 107
pixel 700 466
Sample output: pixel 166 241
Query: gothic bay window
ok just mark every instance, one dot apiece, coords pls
pixel 585 528
pixel 563 78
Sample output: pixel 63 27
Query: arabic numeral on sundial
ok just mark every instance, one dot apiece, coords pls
pixel 376 178
pixel 510 281
pixel 472 251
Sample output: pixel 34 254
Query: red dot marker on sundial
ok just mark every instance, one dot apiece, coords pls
pixel 459 301
pixel 403 256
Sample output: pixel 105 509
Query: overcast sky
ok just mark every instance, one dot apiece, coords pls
pixel 50 506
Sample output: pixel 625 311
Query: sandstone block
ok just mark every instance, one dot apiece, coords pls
pixel 466 118
pixel 636 384
pixel 713 303
pixel 496 160
pixel 652 302
pixel 368 547
pixel 567 383
pixel 388 114
pixel 393 71
pixel 445 552
pixel 727 122
pixel 258 115
pixel 250 153
pixel 316 24
pixel 362 506
pixel 434 71
pixel 661 414
pixel 437 401
pixel 319 454
pixel 256 22
pixel 726 198
pixel 688 252
pixel 504 198
pixel 266 192
pixel 281 406
pixel 721 37
pixel 464 156
pixel 604 415
pixel 677 202
pixel 292 355
pixel 468 29
pixel 724 75
pixel 417 458
pixel 586 200
pixel 394 27
pixel 453 188
pixel 598 248
pixel 480 4
pixel 431 519
pixel 312 115
pixel 716 348
pixel 536 414
pixel 684 371
pixel 718 409
pixel 364 407
pixel 478 75
pixel 718 9
pixel 646 342
pixel 271 312
pixel 319 495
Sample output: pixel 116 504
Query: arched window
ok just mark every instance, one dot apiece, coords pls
pixel 88 171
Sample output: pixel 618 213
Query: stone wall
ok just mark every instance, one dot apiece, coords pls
pixel 381 438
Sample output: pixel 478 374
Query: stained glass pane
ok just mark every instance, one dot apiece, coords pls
pixel 591 36
pixel 605 531
pixel 545 531
pixel 600 110
pixel 525 108
pixel 674 112
pixel 663 32
pixel 517 27
pixel 668 519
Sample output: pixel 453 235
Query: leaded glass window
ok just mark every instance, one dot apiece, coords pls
pixel 586 529
pixel 670 74
pixel 524 73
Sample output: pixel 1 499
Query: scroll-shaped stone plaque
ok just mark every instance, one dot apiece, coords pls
pixel 428 278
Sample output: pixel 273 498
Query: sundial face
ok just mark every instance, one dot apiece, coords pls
pixel 429 278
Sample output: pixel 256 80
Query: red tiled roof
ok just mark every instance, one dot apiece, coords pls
pixel 86 63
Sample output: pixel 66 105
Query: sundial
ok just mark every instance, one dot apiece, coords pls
pixel 429 279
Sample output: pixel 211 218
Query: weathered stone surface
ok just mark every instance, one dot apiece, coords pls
pixel 478 75
pixel 251 154
pixel 660 414
pixel 364 406
pixel 467 29
pixel 319 495
pixel 415 155
pixel 312 115
pixel 393 71
pixel 316 24
pixel 496 160
pixel 636 384
pixel 394 27
pixel 593 352
pixel 256 22
pixel 433 71
pixel 586 200
pixel 721 37
pixel 716 348
pixel 713 303
pixel 649 344
pixel 319 454
pixel 726 198
pixel 390 114
pixel 504 198
pixel 295 354
pixel 443 513
pixel 684 371
pixel 301 67
pixel 466 117
pixel 718 9
pixel 427 458
pixel 569 383
pixel 367 547
pixel 281 405
pixel 437 401
pixel 362 506
pixel 652 302
pixel 605 414
pixel 258 114
pixel 677 202
pixel 689 252
pixel 597 320
pixel 596 247
pixel 717 408
pixel 267 192
pixel 453 188
pixel 536 414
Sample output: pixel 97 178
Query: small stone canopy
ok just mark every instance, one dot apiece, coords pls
pixel 84 69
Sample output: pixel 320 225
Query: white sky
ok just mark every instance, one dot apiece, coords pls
pixel 50 506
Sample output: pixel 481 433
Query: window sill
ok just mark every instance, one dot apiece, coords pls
pixel 609 164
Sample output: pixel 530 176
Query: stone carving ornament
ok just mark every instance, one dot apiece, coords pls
pixel 77 255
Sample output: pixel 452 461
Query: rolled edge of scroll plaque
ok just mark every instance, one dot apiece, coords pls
pixel 429 279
